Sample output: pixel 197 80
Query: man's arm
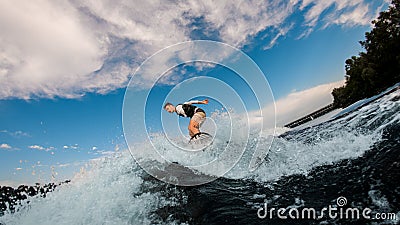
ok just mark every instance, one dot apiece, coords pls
pixel 205 101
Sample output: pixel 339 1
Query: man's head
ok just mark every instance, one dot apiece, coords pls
pixel 169 107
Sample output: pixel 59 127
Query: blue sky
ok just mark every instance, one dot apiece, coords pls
pixel 64 67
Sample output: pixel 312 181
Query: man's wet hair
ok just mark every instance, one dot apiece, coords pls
pixel 167 104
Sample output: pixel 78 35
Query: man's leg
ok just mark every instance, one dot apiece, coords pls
pixel 195 123
pixel 193 127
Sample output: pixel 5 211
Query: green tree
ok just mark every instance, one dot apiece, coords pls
pixel 379 67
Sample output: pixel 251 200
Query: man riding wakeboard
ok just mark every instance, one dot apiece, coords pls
pixel 187 109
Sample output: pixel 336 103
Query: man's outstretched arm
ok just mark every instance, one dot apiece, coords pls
pixel 205 101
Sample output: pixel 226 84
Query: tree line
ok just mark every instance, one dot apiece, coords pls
pixel 378 67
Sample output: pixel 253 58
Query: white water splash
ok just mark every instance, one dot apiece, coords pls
pixel 112 192
pixel 109 193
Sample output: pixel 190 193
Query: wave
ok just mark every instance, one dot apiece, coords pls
pixel 116 190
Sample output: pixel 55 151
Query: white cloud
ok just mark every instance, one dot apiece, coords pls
pixel 5 146
pixel 236 21
pixel 298 104
pixel 41 148
pixel 341 12
pixel 282 32
pixel 17 133
pixel 38 147
pixel 70 146
pixel 67 48
pixel 45 49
